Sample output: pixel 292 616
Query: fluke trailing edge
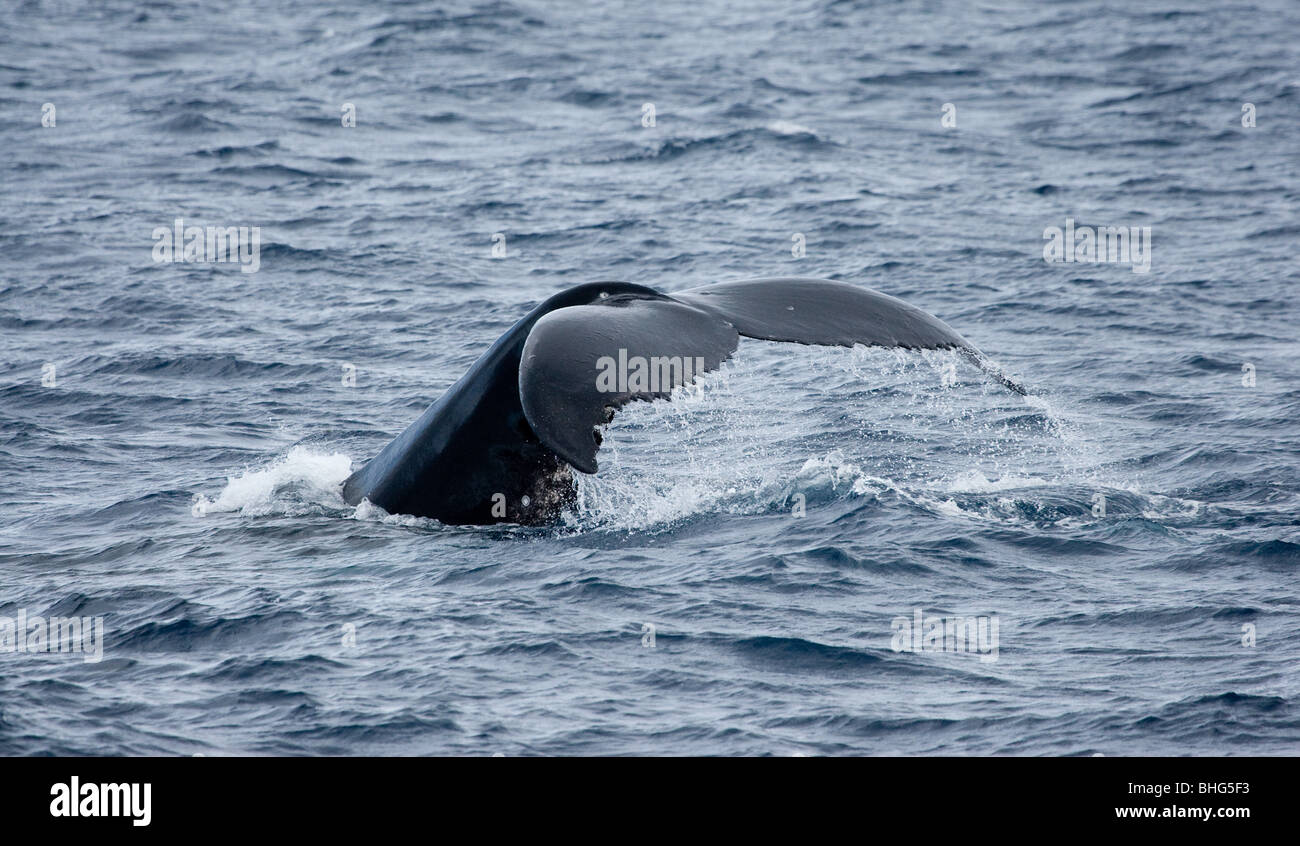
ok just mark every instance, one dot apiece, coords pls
pixel 499 444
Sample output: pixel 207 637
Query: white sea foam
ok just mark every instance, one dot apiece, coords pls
pixel 302 481
pixel 785 127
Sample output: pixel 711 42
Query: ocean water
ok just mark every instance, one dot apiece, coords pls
pixel 734 580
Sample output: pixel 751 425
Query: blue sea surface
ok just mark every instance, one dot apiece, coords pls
pixel 734 580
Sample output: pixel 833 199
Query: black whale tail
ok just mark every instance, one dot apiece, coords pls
pixel 498 445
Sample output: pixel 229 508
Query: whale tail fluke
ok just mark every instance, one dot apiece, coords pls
pixel 583 362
